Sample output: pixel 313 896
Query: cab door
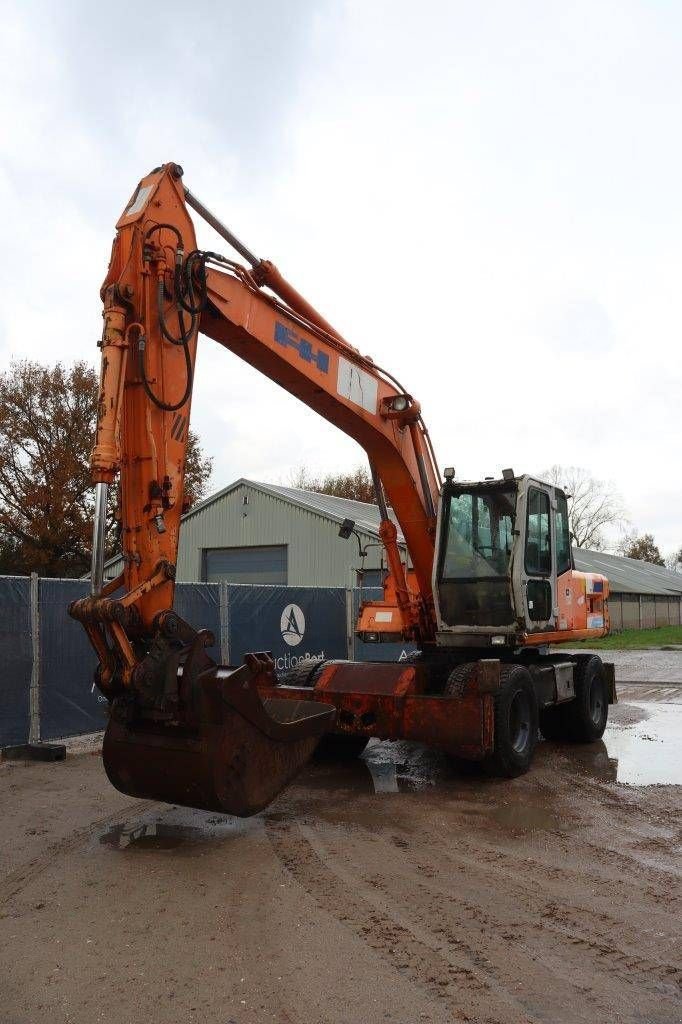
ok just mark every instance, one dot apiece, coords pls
pixel 538 570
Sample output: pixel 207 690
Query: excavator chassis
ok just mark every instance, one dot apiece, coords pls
pixel 387 701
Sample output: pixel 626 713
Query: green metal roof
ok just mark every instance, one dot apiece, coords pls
pixel 629 575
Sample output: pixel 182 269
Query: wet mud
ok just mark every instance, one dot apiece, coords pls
pixel 396 888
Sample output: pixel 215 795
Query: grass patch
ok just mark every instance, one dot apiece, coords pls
pixel 636 639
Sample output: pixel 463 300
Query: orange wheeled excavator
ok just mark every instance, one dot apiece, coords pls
pixel 489 587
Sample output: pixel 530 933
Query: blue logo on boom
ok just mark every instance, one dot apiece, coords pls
pixel 288 338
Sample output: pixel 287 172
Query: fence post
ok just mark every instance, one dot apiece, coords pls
pixel 223 608
pixel 34 690
pixel 350 626
pixel 640 612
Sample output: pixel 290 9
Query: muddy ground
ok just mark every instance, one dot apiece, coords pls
pixel 390 890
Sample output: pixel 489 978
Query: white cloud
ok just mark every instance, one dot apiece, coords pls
pixel 483 197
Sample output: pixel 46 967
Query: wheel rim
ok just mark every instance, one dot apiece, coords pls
pixel 519 721
pixel 596 702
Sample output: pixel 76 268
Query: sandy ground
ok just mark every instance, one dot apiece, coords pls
pixel 390 890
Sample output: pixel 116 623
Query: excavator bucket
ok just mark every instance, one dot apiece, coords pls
pixel 236 757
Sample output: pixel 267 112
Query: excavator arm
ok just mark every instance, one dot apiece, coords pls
pixel 166 694
pixel 159 294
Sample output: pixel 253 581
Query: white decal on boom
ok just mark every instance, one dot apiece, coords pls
pixel 139 201
pixel 357 386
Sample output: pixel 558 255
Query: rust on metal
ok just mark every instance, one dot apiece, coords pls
pixel 386 701
pixel 237 757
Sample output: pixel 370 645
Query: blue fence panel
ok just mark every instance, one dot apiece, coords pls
pixel 376 652
pixel 17 659
pixel 199 605
pixel 292 622
pixel 70 703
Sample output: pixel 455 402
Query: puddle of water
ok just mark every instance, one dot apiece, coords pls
pixel 649 752
pixel 151 835
pixel 403 767
pixel 384 776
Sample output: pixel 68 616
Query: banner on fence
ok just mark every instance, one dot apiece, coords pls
pixel 294 623
pixel 199 605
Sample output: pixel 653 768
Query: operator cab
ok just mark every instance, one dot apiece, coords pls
pixel 503 545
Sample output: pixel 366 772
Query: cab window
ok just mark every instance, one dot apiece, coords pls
pixel 538 539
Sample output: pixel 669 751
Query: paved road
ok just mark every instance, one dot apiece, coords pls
pixel 645 666
pixel 665 693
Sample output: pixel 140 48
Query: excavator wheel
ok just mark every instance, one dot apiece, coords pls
pixel 458 680
pixel 516 724
pixel 583 719
pixel 587 714
pixel 333 746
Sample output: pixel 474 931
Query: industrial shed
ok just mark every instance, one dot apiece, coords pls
pixel 642 595
pixel 263 533
pixel 253 532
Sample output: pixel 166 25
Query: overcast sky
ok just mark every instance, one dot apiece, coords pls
pixel 485 197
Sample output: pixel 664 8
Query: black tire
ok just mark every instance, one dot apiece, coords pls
pixel 516 724
pixel 587 714
pixel 459 678
pixel 302 674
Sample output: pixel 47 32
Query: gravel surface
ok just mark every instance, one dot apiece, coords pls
pixel 391 889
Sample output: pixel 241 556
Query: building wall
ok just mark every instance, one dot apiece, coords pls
pixel 635 611
pixel 317 556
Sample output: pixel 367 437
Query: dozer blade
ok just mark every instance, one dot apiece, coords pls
pixel 236 759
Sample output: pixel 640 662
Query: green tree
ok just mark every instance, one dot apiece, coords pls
pixel 198 470
pixel 643 548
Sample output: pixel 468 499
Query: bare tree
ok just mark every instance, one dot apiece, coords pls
pixel 356 485
pixel 674 561
pixel 592 504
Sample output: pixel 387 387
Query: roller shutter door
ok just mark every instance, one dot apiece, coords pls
pixel 265 564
